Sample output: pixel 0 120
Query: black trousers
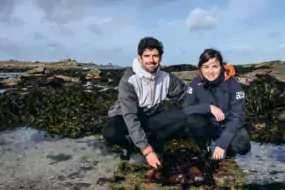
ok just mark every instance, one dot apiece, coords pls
pixel 202 129
pixel 174 123
pixel 163 125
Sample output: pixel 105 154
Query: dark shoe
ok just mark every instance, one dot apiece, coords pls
pixel 230 154
pixel 205 154
pixel 198 180
pixel 126 155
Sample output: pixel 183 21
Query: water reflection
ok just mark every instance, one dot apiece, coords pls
pixel 10 75
pixel 28 134
pixel 264 164
pixel 41 136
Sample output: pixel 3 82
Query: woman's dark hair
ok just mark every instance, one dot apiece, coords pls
pixel 209 54
pixel 150 43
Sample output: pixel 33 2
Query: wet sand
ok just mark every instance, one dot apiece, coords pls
pixel 29 160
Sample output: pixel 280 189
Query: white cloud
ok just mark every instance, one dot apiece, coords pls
pixel 201 19
pixel 235 11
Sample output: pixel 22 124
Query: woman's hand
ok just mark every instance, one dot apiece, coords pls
pixel 217 112
pixel 218 153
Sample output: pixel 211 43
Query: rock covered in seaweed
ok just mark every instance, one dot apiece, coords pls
pixel 181 67
pixel 264 107
pixel 68 111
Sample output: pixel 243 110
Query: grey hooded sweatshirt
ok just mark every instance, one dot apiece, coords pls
pixel 142 92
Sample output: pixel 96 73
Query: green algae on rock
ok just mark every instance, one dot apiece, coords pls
pixel 265 95
pixel 228 174
pixel 181 67
pixel 68 111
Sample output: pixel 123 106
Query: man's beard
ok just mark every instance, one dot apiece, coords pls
pixel 152 71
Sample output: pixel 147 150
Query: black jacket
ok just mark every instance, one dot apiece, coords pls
pixel 228 95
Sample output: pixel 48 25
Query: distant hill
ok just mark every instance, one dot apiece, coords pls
pixel 71 63
pixel 65 63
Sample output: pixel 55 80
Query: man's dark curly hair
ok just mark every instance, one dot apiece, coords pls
pixel 150 43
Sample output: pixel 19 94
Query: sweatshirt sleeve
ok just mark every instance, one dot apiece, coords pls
pixel 190 104
pixel 177 88
pixel 129 105
pixel 236 115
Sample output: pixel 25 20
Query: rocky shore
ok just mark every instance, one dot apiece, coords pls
pixel 65 109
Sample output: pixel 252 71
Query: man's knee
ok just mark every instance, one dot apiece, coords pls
pixel 109 132
pixel 198 121
pixel 199 124
pixel 115 130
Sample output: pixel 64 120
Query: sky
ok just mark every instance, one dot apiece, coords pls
pixel 108 31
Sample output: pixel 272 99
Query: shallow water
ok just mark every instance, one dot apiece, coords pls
pixel 264 164
pixel 10 75
pixel 104 88
pixel 28 147
pixel 30 160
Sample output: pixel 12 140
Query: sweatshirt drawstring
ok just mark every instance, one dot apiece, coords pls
pixel 151 88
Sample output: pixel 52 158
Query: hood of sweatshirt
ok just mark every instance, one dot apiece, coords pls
pixel 137 68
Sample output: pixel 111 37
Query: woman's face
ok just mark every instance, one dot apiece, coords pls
pixel 211 69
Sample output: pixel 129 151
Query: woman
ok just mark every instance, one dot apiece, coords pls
pixel 219 100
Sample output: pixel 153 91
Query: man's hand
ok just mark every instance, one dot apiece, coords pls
pixel 218 113
pixel 218 153
pixel 152 159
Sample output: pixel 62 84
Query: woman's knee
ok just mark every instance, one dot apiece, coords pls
pixel 245 149
pixel 241 143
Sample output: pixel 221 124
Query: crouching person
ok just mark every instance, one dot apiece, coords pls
pixel 215 103
pixel 137 110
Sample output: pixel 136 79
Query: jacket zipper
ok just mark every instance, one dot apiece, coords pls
pixel 151 88
pixel 213 92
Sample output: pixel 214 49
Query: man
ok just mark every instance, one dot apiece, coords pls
pixel 137 110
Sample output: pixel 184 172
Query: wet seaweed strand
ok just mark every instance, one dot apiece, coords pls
pixel 182 166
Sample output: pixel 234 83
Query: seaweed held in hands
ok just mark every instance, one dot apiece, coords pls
pixel 182 164
pixel 183 167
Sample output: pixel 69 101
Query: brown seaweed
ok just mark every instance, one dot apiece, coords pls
pixel 182 164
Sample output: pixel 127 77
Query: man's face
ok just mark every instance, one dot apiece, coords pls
pixel 150 60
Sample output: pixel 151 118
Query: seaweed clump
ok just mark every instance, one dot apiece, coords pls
pixel 239 69
pixel 265 95
pixel 181 67
pixel 69 111
pixel 183 167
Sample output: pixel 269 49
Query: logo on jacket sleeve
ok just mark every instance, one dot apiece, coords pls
pixel 190 90
pixel 240 95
